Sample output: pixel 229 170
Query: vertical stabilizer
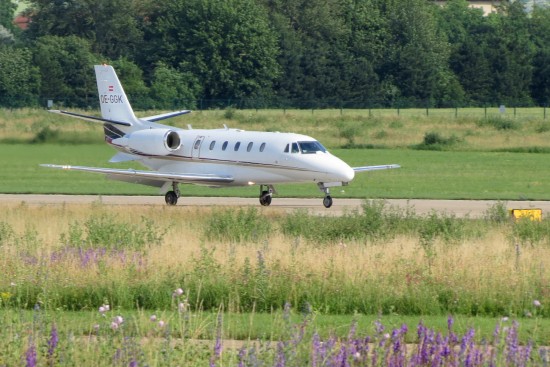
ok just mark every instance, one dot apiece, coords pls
pixel 112 99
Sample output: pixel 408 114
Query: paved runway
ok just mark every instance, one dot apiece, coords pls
pixel 460 208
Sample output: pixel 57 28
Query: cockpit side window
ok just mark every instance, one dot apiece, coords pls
pixel 311 147
pixel 287 148
pixel 295 148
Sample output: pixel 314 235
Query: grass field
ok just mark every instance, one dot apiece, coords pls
pixel 424 174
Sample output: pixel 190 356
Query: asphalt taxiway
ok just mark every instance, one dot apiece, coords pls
pixel 458 208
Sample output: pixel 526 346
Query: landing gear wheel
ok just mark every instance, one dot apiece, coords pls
pixel 327 201
pixel 171 198
pixel 266 194
pixel 265 198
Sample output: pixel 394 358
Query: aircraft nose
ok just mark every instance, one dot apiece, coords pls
pixel 347 173
pixel 341 171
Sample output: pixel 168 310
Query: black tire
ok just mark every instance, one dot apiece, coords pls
pixel 171 198
pixel 265 198
pixel 327 201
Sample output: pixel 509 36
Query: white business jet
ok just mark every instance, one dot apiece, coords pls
pixel 214 157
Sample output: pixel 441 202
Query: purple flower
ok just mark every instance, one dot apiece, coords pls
pixel 537 303
pixel 30 355
pixel 52 342
pixel 450 322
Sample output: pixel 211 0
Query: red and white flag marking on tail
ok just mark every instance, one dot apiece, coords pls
pixel 111 88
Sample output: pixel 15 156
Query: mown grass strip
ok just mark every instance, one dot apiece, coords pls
pixel 424 174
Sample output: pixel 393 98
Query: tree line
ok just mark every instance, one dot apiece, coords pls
pixel 277 53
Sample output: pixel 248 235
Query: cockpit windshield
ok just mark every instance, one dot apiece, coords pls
pixel 310 147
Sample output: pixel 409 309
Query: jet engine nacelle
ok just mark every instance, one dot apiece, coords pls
pixel 151 141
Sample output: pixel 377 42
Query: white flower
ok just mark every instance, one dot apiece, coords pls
pixel 118 319
pixel 153 318
pixel 536 303
pixel 182 306
pixel 161 323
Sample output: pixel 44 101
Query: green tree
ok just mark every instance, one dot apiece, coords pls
pixel 510 52
pixel 417 55
pixel 540 33
pixel 131 77
pixel 467 31
pixel 7 14
pixel 227 45
pixel 324 51
pixel 19 79
pixel 171 88
pixel 111 26
pixel 66 66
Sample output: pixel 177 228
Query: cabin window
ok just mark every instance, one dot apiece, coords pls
pixel 249 147
pixel 224 145
pixel 262 147
pixel 311 147
pixel 287 148
pixel 295 148
pixel 237 145
pixel 198 143
pixel 212 144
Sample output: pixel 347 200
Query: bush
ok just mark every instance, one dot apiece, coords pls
pixel 499 123
pixel 46 135
pixel 435 141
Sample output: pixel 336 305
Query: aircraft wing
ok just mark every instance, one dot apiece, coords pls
pixel 150 178
pixel 375 168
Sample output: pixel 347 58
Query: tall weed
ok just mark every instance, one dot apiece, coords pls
pixel 106 231
pixel 531 232
pixel 243 225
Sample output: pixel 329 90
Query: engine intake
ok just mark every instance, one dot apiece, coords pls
pixel 151 141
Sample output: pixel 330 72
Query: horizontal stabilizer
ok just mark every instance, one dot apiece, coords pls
pixel 90 118
pixel 152 177
pixel 375 168
pixel 165 115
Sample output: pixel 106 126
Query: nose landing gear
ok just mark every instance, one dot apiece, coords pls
pixel 325 187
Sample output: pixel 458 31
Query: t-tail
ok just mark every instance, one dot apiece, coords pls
pixel 115 106
pixel 117 116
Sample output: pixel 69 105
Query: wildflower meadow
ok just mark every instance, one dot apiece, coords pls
pixel 179 286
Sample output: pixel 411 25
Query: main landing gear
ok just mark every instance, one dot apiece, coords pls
pixel 266 194
pixel 171 197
